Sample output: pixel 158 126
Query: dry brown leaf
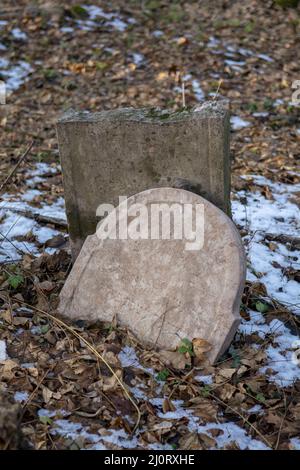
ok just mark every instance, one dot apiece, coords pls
pixel 200 348
pixel 168 406
pixel 174 359
pixel 190 441
pixel 226 392
pixel 47 394
pixel 7 369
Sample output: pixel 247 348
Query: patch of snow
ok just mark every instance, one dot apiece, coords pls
pixel 95 13
pixel 198 92
pixel 278 102
pixel 213 42
pixel 14 224
pixel 255 409
pixel 157 33
pixel 3 63
pixel 31 194
pixel 138 58
pixel 118 24
pixel 295 441
pixel 238 123
pixel 15 75
pixel 265 57
pixel 261 114
pixel 117 437
pixel 67 29
pixel 279 216
pixel 21 396
pixel 231 433
pixel 235 64
pixel 41 169
pixel 18 34
pixel 205 379
pixel 282 357
pixel 3 353
pixel 128 358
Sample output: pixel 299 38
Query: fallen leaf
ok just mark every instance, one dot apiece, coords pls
pixel 200 348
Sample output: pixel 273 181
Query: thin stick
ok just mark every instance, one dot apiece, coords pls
pixel 92 349
pixel 242 417
pixel 217 92
pixel 17 165
pixel 183 93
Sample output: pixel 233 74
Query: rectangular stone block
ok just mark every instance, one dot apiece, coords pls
pixel 109 154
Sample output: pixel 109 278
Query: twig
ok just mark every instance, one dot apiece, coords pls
pixel 183 93
pixel 16 166
pixel 92 349
pixel 218 89
pixel 242 417
pixel 46 219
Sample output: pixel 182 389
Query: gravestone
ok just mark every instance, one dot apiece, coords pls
pixel 109 154
pixel 168 265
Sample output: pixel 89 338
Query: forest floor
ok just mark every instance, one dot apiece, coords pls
pixel 129 53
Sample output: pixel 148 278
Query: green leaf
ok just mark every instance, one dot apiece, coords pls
pixel 163 375
pixel 186 346
pixel 44 329
pixel 205 391
pixel 78 11
pixel 45 420
pixel 15 280
pixel 261 307
pixel 260 397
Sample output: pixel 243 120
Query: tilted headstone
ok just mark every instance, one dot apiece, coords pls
pixel 116 153
pixel 168 265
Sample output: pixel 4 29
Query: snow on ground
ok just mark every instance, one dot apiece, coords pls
pixel 3 354
pixel 277 216
pixel 15 221
pixel 238 123
pixel 14 75
pixel 21 397
pixel 98 17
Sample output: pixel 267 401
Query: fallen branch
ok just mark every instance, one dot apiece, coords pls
pixel 16 166
pixel 293 241
pixel 45 219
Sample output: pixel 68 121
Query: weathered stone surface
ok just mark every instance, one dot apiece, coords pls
pixel 119 153
pixel 159 289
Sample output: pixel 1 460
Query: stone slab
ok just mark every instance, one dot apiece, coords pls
pixel 109 154
pixel 158 288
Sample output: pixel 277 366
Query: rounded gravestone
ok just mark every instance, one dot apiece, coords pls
pixel 177 272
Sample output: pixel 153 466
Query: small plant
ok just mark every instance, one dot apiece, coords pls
pixel 252 107
pixel 163 375
pixel 77 11
pixel 45 420
pixel 205 391
pixel 249 27
pixel 15 280
pixel 49 74
pixel 236 359
pixel 186 347
pixel 287 3
pixel 260 397
pixel 268 104
pixel 261 307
